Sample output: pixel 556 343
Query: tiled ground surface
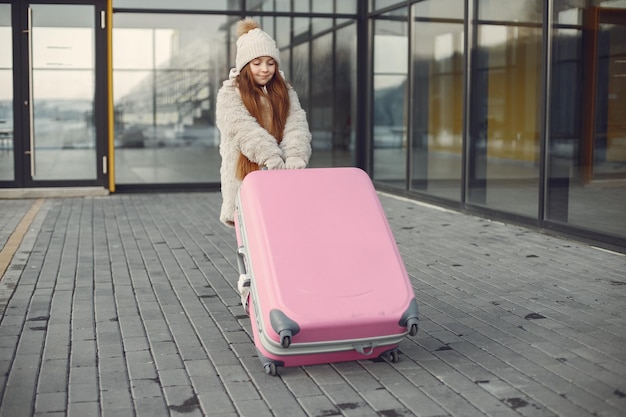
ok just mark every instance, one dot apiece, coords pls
pixel 126 306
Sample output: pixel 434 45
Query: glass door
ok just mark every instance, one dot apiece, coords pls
pixel 7 159
pixel 61 146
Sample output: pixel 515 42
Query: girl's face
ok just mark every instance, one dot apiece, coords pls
pixel 262 69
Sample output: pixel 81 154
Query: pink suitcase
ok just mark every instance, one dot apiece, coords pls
pixel 327 282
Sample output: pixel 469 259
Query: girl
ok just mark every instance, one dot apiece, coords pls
pixel 261 122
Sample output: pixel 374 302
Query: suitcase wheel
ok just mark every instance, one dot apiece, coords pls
pixel 391 356
pixel 412 326
pixel 271 369
pixel 285 338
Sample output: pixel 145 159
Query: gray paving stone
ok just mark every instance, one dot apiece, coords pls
pixel 415 400
pixel 81 409
pixel 318 405
pixel 174 377
pixel 152 407
pixel 253 408
pixel 168 361
pixel 24 372
pixel 146 388
pixel 139 293
pixel 189 353
pixel 215 400
pixel 51 402
pixel 53 376
pixel 113 380
pixel 83 392
pixel 181 398
pixel 348 401
pixel 15 410
pixel 116 399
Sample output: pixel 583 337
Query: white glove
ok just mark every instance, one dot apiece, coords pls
pixel 293 162
pixel 275 162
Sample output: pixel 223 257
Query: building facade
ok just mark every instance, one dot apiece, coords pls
pixel 514 109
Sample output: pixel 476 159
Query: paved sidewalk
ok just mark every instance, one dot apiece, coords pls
pixel 126 306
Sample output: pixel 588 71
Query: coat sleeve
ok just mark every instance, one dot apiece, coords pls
pixel 236 124
pixel 296 140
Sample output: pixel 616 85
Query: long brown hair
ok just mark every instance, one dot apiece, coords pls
pixel 253 96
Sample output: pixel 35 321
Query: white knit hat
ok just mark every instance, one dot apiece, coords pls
pixel 253 43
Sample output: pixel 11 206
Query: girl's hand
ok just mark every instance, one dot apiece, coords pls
pixel 275 162
pixel 294 162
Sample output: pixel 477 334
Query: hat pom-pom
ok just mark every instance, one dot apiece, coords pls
pixel 246 25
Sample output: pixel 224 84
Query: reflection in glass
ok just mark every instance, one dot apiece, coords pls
pixel 300 73
pixel 438 9
pixel 512 11
pixel 327 93
pixel 389 101
pixel 166 75
pixel 283 35
pixel 63 84
pixel 319 24
pixel 301 27
pixel 301 6
pixel 437 145
pixel 321 112
pixel 345 97
pixel 381 4
pixel 505 119
pixel 609 142
pixel 343 6
pixel 7 171
pixel 323 6
pixel 282 5
pixel 587 161
pixel 178 4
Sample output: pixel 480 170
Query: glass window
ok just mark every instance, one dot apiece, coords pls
pixel 390 98
pixel 301 27
pixel 63 137
pixel 320 24
pixel 7 170
pixel 267 24
pixel 283 41
pixel 511 11
pixel 283 5
pixel 505 120
pixel 381 4
pixel 587 161
pixel 567 13
pixel 323 6
pixel 301 6
pixel 344 90
pixel 300 79
pixel 166 73
pixel 438 9
pixel 179 4
pixel 345 6
pixel 283 33
pixel 268 6
pixel 321 111
pixel 438 78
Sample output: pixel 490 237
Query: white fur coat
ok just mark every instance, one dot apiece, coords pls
pixel 240 132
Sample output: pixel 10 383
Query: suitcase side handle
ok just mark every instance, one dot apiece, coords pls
pixel 241 260
pixel 365 349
